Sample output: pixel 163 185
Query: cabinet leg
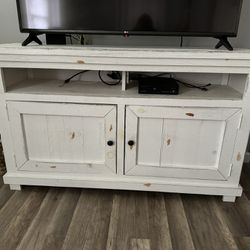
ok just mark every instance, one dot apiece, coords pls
pixel 15 187
pixel 228 198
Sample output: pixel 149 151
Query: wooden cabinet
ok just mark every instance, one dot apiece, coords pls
pixel 180 142
pixel 64 137
pixel 89 135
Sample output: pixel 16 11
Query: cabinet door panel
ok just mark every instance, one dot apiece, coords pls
pixel 64 137
pixel 181 142
pixel 149 141
pixel 190 143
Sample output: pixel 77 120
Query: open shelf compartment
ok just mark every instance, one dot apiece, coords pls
pixel 25 81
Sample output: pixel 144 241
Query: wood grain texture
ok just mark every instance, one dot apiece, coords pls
pixel 1 182
pixel 90 222
pixel 58 226
pixel 72 219
pixel 22 219
pixel 124 226
pixel 5 194
pixel 140 244
pixel 158 222
pixel 36 234
pixel 178 224
pixel 243 243
pixel 11 208
pixel 206 229
pixel 237 216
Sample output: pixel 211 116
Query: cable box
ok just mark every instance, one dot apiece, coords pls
pixel 158 85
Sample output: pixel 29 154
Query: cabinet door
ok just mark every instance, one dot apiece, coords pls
pixel 194 143
pixel 64 137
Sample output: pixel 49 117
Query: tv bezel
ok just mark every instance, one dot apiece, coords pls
pixel 130 33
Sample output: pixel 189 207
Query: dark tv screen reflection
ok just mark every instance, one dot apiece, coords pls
pixel 184 17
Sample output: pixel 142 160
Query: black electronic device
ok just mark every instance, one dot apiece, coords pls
pixel 158 85
pixel 56 39
pixel 210 18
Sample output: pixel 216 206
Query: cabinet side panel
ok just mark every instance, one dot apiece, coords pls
pixel 6 137
pixel 13 76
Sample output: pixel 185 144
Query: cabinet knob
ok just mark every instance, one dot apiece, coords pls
pixel 110 143
pixel 131 143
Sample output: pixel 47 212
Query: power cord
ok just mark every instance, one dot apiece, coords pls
pixel 108 83
pixel 181 42
pixel 189 85
pixel 77 37
pixel 100 76
pixel 79 73
pixel 116 74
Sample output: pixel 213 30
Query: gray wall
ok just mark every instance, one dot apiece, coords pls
pixel 9 31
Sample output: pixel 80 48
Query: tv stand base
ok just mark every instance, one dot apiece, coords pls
pixel 223 41
pixel 228 198
pixel 15 187
pixel 32 38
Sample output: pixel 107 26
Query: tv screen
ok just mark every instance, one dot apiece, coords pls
pixel 156 17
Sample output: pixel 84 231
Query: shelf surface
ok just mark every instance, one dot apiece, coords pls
pixel 98 89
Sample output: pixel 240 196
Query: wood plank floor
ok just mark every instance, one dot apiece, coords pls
pixel 72 219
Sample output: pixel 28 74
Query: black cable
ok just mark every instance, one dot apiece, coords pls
pixel 161 74
pixel 107 83
pixel 69 79
pixel 82 40
pixel 181 44
pixel 189 85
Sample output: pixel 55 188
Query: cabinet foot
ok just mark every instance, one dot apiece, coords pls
pixel 15 187
pixel 228 198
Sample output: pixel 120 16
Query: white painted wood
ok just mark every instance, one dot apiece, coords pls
pixel 225 79
pixel 191 143
pixel 6 136
pixel 13 76
pixel 215 114
pixel 238 82
pixel 131 135
pixel 50 137
pixel 2 81
pixel 120 138
pixel 42 132
pixel 124 183
pixel 242 138
pixel 232 126
pixel 229 198
pixel 110 136
pixel 126 59
pixel 92 92
pixel 149 141
pixel 15 187
pixel 181 142
pixel 124 80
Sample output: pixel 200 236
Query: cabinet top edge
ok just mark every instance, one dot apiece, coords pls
pixel 126 52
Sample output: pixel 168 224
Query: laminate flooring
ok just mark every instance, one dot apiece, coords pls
pixel 71 219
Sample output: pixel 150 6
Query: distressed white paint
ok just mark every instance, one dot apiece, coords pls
pixel 181 142
pixel 50 136
pixel 46 116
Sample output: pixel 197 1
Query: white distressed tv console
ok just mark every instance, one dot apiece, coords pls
pixel 86 134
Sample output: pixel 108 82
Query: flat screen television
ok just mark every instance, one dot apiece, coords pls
pixel 210 18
